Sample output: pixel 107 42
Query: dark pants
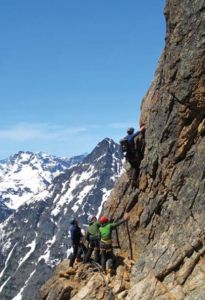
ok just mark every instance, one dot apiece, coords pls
pixel 75 253
pixel 133 173
pixel 78 250
pixel 106 255
pixel 94 244
pixel 82 250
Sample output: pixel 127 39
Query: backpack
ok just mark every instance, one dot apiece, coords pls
pixel 125 145
pixel 133 149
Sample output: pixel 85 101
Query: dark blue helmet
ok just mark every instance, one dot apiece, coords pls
pixel 130 130
pixel 74 222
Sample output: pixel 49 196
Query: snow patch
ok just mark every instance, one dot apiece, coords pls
pixel 32 247
pixel 81 197
pixel 5 282
pixel 100 157
pixel 46 255
pixel 106 194
pixel 67 197
pixel 19 295
pixel 7 260
pixel 69 251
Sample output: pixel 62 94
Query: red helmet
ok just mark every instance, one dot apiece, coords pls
pixel 103 220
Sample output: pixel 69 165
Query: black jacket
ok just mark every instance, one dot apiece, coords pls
pixel 76 234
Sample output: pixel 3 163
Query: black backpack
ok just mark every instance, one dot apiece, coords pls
pixel 125 145
pixel 133 150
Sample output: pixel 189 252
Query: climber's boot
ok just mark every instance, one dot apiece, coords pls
pixel 71 271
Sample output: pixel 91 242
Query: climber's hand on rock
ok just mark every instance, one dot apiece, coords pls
pixel 142 128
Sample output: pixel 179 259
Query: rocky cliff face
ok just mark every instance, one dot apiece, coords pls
pixel 167 212
pixel 167 217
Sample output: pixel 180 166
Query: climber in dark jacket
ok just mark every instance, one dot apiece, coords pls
pixel 133 148
pixel 130 145
pixel 76 236
pixel 93 238
pixel 131 134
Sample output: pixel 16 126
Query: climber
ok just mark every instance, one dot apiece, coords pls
pixel 93 238
pixel 133 148
pixel 76 237
pixel 107 255
pixel 78 248
pixel 128 144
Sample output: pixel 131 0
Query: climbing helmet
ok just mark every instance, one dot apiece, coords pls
pixel 103 220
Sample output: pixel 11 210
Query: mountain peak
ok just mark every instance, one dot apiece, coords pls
pixel 106 141
pixel 107 146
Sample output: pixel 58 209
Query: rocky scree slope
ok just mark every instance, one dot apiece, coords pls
pixel 35 238
pixel 86 283
pixel 167 212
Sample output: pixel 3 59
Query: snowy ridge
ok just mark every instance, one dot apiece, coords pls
pixel 26 174
pixel 35 237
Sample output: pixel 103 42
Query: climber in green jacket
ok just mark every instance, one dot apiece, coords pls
pixel 93 238
pixel 106 248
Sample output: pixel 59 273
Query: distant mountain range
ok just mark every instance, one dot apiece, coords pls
pixel 43 193
pixel 27 174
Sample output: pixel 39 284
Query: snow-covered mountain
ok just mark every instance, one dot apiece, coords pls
pixel 26 174
pixel 34 238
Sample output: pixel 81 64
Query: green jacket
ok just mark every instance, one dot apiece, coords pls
pixel 106 230
pixel 93 230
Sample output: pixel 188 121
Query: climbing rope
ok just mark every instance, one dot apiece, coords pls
pixel 130 241
pixel 117 238
pixel 111 295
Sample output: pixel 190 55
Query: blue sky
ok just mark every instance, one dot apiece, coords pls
pixel 74 72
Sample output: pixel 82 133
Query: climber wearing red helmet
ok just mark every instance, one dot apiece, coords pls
pixel 103 220
pixel 106 242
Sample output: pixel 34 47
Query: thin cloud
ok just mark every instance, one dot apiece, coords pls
pixel 48 132
pixel 120 125
pixel 38 131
